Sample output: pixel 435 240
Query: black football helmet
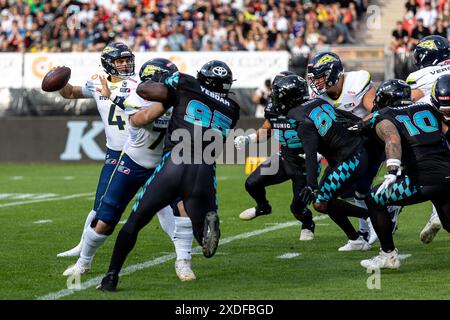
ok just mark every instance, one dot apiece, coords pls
pixel 113 52
pixel 157 70
pixel 281 75
pixel 440 95
pixel 430 51
pixel 392 93
pixel 289 92
pixel 324 71
pixel 217 76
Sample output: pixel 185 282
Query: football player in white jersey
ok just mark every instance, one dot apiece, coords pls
pixel 118 63
pixel 354 93
pixel 141 154
pixel 433 58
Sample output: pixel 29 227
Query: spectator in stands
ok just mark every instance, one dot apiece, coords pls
pixel 236 24
pixel 428 15
pixel 260 98
pixel 419 32
pixel 331 34
pixel 411 7
pixel 400 36
pixel 300 54
pixel 440 29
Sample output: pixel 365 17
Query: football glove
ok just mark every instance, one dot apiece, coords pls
pixel 307 195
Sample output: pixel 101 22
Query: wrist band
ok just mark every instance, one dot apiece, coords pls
pixel 393 162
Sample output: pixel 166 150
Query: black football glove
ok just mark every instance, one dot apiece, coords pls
pixel 361 126
pixel 307 195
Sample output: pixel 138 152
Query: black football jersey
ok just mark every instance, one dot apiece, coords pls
pixel 197 109
pixel 425 155
pixel 320 131
pixel 285 131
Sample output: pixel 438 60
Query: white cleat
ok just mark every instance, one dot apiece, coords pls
pixel 78 269
pixel 306 235
pixel 431 229
pixel 74 252
pixel 382 261
pixel 356 245
pixel 184 271
pixel 248 214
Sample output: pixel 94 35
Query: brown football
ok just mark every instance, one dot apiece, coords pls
pixel 56 79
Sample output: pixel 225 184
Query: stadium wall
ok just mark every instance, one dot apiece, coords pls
pixel 61 139
pixel 20 92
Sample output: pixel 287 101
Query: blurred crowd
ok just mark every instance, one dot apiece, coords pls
pixel 421 18
pixel 177 25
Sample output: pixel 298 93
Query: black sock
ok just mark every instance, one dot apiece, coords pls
pixel 340 210
pixel 382 224
pixel 126 239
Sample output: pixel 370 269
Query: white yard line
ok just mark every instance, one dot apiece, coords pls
pixel 150 263
pixel 72 196
pixel 289 255
pixel 43 221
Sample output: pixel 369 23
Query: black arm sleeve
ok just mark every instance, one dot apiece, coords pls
pixel 310 139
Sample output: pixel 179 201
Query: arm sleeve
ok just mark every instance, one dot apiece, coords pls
pixel 310 139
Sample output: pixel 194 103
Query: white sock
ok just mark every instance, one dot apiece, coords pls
pixel 359 202
pixel 167 220
pixel 88 222
pixel 183 237
pixel 92 241
pixel 433 213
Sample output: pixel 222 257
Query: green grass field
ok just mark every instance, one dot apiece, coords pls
pixel 33 230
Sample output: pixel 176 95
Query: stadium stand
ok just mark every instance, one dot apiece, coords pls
pixel 420 19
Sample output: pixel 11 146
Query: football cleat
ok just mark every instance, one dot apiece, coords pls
pixel 74 252
pixel 183 270
pixel 383 260
pixel 431 229
pixel 257 211
pixel 372 234
pixel 77 269
pixel 211 234
pixel 109 282
pixel 307 233
pixel 356 245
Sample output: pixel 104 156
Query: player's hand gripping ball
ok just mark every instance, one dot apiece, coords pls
pixel 56 79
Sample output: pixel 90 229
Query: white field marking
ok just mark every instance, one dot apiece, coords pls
pixel 72 196
pixel 322 224
pixel 69 178
pixel 404 256
pixel 122 221
pixel 43 221
pixel 29 196
pixel 16 178
pixel 147 264
pixel 289 255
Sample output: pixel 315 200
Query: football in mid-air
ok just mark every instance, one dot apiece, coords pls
pixel 56 79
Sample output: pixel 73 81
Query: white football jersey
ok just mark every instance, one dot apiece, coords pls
pixel 424 79
pixel 145 145
pixel 114 118
pixel 356 85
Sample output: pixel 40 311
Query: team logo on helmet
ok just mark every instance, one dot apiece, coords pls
pixel 428 44
pixel 109 49
pixel 150 69
pixel 220 71
pixel 325 59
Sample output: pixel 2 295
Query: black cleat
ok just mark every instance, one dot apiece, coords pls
pixel 109 282
pixel 211 234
